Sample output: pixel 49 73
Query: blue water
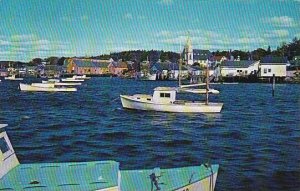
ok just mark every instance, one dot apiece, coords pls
pixel 255 139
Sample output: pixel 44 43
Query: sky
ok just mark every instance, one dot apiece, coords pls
pixel 43 28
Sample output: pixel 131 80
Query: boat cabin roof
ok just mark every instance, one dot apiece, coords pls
pixel 62 176
pixel 165 89
pixel 2 125
pixel 169 179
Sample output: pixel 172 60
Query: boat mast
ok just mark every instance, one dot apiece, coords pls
pixel 207 81
pixel 180 63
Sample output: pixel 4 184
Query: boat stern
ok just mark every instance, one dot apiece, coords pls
pixel 8 158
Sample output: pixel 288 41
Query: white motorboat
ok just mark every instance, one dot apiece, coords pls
pixel 72 80
pixel 13 78
pixel 164 99
pixel 97 175
pixel 81 77
pixel 58 83
pixel 40 87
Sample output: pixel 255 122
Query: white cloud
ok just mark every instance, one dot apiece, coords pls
pixel 128 16
pixel 22 38
pixel 4 43
pixel 84 18
pixel 277 33
pixel 66 19
pixel 282 21
pixel 25 47
pixel 166 2
pixel 164 33
pixel 247 40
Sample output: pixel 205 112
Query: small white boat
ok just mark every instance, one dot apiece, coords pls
pixel 81 77
pixel 58 83
pixel 97 175
pixel 13 78
pixel 50 81
pixel 164 99
pixel 40 87
pixel 72 80
pixel 198 91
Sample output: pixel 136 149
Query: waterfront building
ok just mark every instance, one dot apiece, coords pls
pixel 271 65
pixel 87 66
pixel 193 56
pixel 238 68
pixel 118 68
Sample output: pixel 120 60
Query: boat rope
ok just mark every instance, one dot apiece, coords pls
pixel 191 177
pixel 154 181
pixel 211 176
pixel 115 99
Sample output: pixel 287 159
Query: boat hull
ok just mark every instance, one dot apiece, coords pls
pixel 26 87
pixel 130 102
pixel 13 79
pixel 72 80
pixel 194 178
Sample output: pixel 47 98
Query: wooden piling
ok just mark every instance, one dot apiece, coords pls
pixel 273 85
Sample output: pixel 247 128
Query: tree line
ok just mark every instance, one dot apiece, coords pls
pixel 288 50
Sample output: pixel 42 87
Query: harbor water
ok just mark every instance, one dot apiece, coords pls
pixel 255 138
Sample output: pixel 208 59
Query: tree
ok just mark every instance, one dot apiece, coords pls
pixel 269 50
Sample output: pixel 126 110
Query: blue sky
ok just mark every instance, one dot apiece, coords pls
pixel 43 28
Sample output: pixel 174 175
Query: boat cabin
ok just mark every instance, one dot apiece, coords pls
pixel 164 95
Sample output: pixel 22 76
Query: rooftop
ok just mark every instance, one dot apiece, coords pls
pixel 237 64
pixel 273 59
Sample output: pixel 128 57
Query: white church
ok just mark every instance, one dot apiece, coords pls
pixel 192 56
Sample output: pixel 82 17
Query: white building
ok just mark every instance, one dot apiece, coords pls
pixel 273 65
pixel 238 68
pixel 192 56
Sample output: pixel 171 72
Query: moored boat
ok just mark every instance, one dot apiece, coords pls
pixel 97 175
pixel 58 83
pixel 79 77
pixel 72 80
pixel 164 99
pixel 40 87
pixel 13 78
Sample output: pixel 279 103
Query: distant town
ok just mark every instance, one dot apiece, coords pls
pixel 259 65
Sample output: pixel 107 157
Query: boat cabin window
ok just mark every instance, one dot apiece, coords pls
pixel 3 145
pixel 165 95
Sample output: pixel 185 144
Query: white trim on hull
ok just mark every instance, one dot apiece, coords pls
pixel 207 184
pixel 178 106
pixel 26 87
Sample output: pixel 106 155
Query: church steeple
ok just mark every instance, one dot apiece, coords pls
pixel 188 50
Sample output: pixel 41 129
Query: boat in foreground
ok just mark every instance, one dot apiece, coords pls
pixel 164 99
pixel 97 175
pixel 40 87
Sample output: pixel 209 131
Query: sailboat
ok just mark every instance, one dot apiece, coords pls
pixel 164 99
pixel 97 175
